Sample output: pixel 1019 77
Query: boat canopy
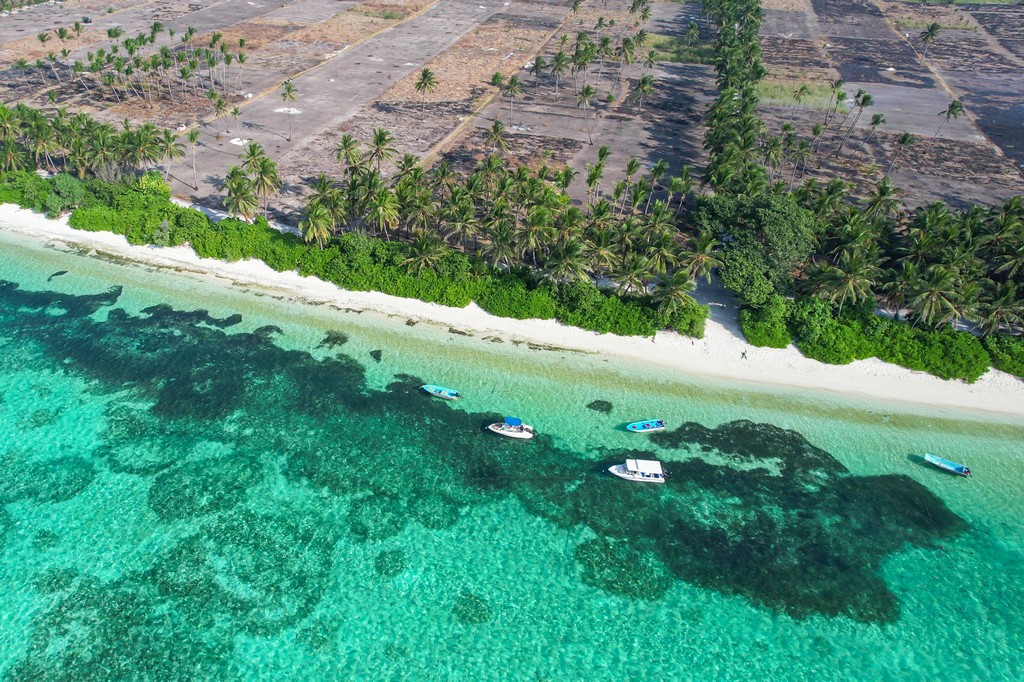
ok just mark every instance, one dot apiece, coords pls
pixel 512 421
pixel 645 466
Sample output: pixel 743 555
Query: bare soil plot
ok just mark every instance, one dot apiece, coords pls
pixel 788 54
pixel 868 61
pixel 970 51
pixel 1005 24
pixel 499 45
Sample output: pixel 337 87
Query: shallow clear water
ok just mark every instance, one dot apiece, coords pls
pixel 228 485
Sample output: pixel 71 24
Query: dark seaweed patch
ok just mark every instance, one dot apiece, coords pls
pixel 334 339
pixel 390 562
pixel 470 609
pixel 376 355
pixel 602 406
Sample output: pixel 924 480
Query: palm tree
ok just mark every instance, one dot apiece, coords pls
pixel 316 223
pixel 700 261
pixel 425 84
pixel 861 100
pixel 193 139
pixel 876 120
pixel 241 198
pixel 171 150
pixel 495 136
pixel 587 94
pixel 235 114
pixel 424 253
pixel 513 88
pixel 384 210
pixel 265 180
pixel 905 140
pixel 883 199
pixel 644 86
pixel 537 69
pixel 798 97
pixel 930 34
pixel 251 156
pixel 380 146
pixel 672 292
pixel 851 280
pixel 559 65
pixel 288 95
pixel 934 300
pixel 348 153
pixel 954 110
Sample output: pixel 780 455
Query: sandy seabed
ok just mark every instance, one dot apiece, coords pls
pixel 722 353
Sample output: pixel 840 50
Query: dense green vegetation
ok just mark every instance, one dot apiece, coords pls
pixel 141 211
pixel 808 262
pixel 838 259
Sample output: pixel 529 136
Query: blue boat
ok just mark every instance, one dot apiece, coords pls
pixel 441 392
pixel 647 425
pixel 952 467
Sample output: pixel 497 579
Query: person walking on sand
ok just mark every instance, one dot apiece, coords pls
pixel 743 355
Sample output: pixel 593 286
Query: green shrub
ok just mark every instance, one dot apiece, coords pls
pixel 766 326
pixel 508 296
pixel 1007 353
pixel 819 335
pixel 688 320
pixel 945 353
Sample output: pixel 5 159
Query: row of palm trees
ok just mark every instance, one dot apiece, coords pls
pixel 936 265
pixel 508 216
pixel 31 139
pixel 143 68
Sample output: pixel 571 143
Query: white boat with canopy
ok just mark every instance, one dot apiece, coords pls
pixel 512 428
pixel 642 470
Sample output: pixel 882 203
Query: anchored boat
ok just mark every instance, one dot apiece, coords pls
pixel 441 392
pixel 642 470
pixel 647 425
pixel 512 428
pixel 952 467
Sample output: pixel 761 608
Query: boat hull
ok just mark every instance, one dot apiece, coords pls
pixel 524 432
pixel 646 426
pixel 622 472
pixel 947 465
pixel 441 392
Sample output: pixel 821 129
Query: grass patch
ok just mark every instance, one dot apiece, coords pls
pixel 913 22
pixel 774 93
pixel 389 15
pixel 961 2
pixel 675 49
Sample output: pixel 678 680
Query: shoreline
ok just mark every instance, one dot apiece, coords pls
pixel 721 354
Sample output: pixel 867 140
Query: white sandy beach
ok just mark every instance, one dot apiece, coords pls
pixel 722 353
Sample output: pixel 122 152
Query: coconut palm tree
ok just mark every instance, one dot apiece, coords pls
pixel 380 146
pixel 316 223
pixel 644 87
pixel 672 292
pixel 288 95
pixel 537 69
pixel 193 139
pixel 171 150
pixel 347 152
pixel 512 89
pixel 905 140
pixel 425 85
pixel 929 34
pixel 559 65
pixel 495 136
pixel 424 253
pixel 876 120
pixel 586 97
pixel 241 198
pixel 861 100
pixel 265 180
pixel 955 110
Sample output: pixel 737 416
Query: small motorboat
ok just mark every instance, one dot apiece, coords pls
pixel 513 428
pixel 441 392
pixel 647 425
pixel 642 470
pixel 952 467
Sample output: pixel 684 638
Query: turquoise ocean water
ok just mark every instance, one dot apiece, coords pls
pixel 198 481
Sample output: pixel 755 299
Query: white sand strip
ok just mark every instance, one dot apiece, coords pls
pixel 721 353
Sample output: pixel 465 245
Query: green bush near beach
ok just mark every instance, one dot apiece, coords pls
pixel 143 213
pixel 1007 353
